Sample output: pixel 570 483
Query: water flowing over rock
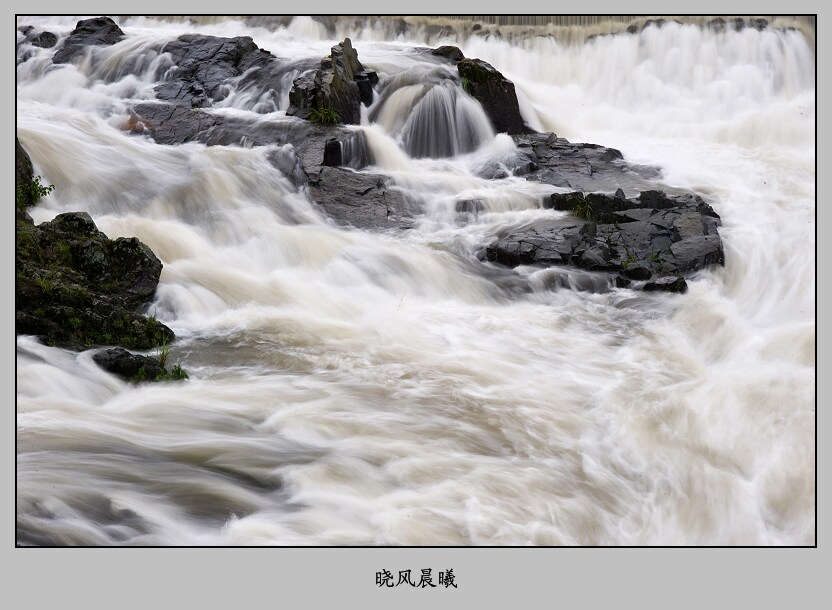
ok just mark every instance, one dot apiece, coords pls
pixel 496 94
pixel 101 31
pixel 366 374
pixel 33 37
pixel 444 123
pixel 38 38
pixel 206 64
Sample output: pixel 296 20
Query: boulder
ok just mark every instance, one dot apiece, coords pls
pixel 495 93
pixel 38 38
pixel 101 31
pixel 75 287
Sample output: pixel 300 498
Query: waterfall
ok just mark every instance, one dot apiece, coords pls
pixel 350 387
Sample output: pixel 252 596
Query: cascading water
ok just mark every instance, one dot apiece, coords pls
pixel 361 388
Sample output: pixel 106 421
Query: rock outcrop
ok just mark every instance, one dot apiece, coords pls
pixel 649 238
pixel 205 66
pixel 76 288
pixel 335 91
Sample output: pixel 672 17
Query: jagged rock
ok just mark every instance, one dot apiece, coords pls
pixel 652 236
pixel 495 93
pixel 101 31
pixel 333 86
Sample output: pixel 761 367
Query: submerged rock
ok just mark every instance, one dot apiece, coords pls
pixel 101 31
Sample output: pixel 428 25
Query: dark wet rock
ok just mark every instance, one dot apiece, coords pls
pixel 101 31
pixel 451 53
pixel 171 123
pixel 544 157
pixel 758 24
pixel 128 366
pixel 38 38
pixel 366 80
pixel 667 284
pixel 638 271
pixel 206 65
pixel 360 199
pixel 496 94
pixel 75 287
pixel 333 86
pixel 652 236
pixel 23 176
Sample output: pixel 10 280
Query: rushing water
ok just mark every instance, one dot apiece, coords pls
pixel 350 388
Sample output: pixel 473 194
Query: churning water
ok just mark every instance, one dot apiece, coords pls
pixel 350 388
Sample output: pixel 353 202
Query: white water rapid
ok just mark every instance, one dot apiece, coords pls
pixel 357 388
